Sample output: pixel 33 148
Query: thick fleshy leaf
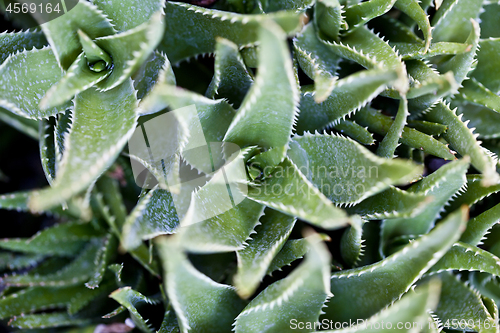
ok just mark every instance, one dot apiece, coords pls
pixel 271 105
pixel 25 78
pixel 62 33
pixel 475 92
pixel 411 51
pixel 296 5
pixel 77 79
pixel 128 14
pixel 354 131
pixel 22 124
pixel 196 298
pixel 449 24
pixel 442 185
pixel 411 308
pixel 413 9
pixel 46 320
pixel 468 257
pixel 348 173
pixel 103 258
pixel 328 18
pixel 191 30
pixel 255 258
pixel 480 225
pixel 460 303
pixel 427 127
pixel 93 142
pixel 154 215
pixel 476 191
pixel 487 70
pixel 231 80
pixel 362 292
pixel 78 271
pixel 299 296
pixel 289 191
pixel 317 61
pixel 65 239
pixel 130 49
pixel 388 145
pixel 348 96
pixel 153 74
pixel 12 42
pixel 391 203
pixel 463 140
pixel 47 146
pixel 359 14
pixel 351 243
pixel 130 299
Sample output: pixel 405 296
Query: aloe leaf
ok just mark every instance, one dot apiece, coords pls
pixel 280 191
pixel 77 79
pixel 353 172
pixel 461 64
pixel 362 292
pixel 153 74
pixel 488 21
pixel 328 18
pixel 299 296
pixel 46 320
pixel 448 22
pixel 391 203
pixel 255 258
pixel 12 42
pixel 22 124
pixel 317 61
pixel 62 33
pixel 94 140
pixel 351 243
pixel 463 256
pixel 26 87
pixel 480 118
pixel 78 271
pixel 232 79
pixel 191 30
pixel 359 14
pixel 130 49
pixel 268 107
pixel 480 225
pixel 476 191
pixel 459 301
pixel 411 51
pixel 388 145
pixel 486 71
pixel 348 96
pixel 295 5
pixel 155 214
pixel 47 148
pixel 37 298
pixel 81 301
pixel 65 239
pixel 355 131
pixel 396 31
pixel 412 308
pixel 103 258
pixel 475 92
pixel 464 141
pixel 442 185
pixel 129 14
pixel 129 298
pixel 412 9
pixel 189 290
pixel 427 127
pixel 13 261
pixel 229 220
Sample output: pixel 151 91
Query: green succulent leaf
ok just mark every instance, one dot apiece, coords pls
pixel 195 297
pixel 475 191
pixel 154 215
pixel 474 92
pixel 255 258
pixel 463 256
pixel 47 148
pixel 22 124
pixel 127 15
pixel 24 93
pixel 388 145
pixel 480 225
pixel 462 139
pixel 411 51
pixel 349 173
pixel 104 257
pixel 191 30
pixel 271 105
pixel 348 96
pixel 153 74
pixel 427 127
pixel 358 14
pixel 91 147
pixel 12 42
pixel 328 18
pixel 351 243
pixel 62 33
pixel 13 261
pixel 231 80
pixel 129 298
pixel 413 9
pixel 448 25
pixel 46 320
pixel 281 191
pixel 487 70
pixel 299 296
pixel 369 289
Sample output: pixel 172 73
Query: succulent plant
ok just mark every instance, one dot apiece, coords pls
pixel 309 165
